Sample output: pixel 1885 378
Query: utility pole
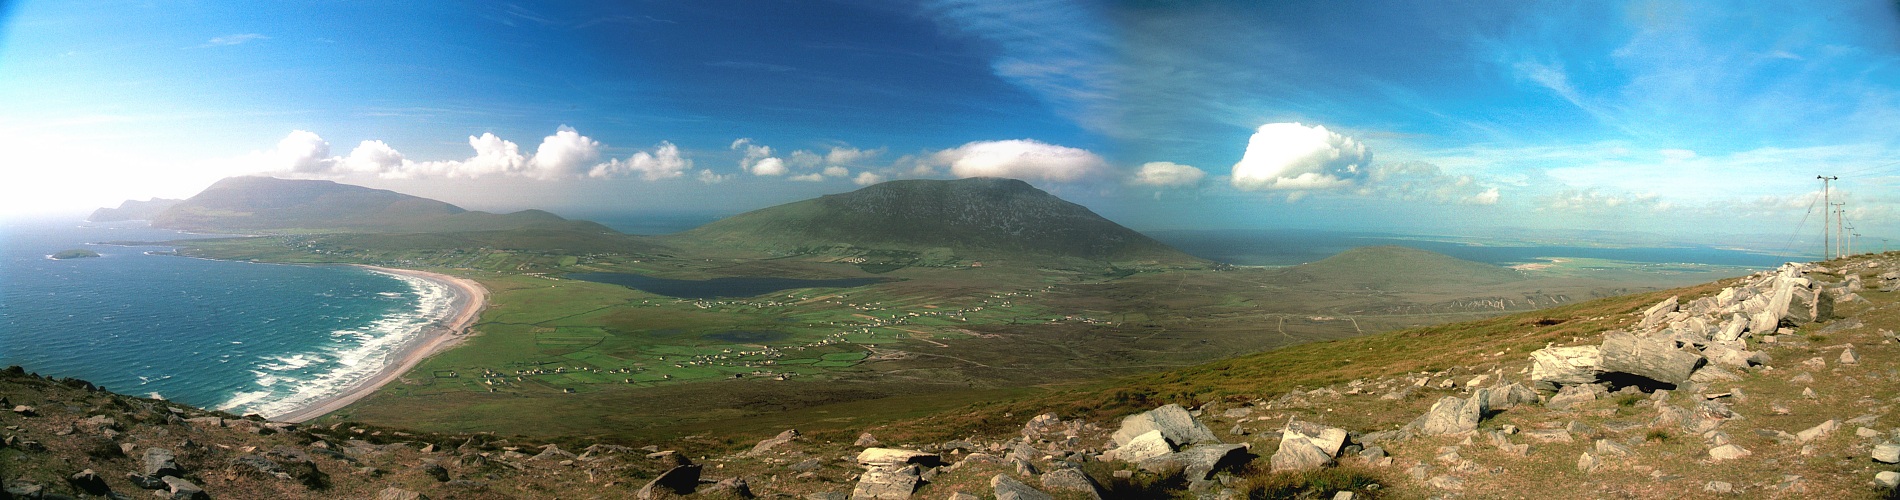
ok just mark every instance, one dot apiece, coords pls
pixel 1849 237
pixel 1826 205
pixel 1840 234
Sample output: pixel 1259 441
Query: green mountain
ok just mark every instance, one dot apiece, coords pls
pixel 265 204
pixel 132 210
pixel 974 218
pixel 1397 267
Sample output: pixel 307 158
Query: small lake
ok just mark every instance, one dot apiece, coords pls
pixel 718 287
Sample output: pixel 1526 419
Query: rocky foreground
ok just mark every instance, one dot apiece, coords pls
pixel 1781 384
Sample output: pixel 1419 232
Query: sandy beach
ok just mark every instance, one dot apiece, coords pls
pixel 469 300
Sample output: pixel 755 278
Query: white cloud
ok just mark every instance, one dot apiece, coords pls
pixel 758 158
pixel 806 159
pixel 836 171
pixel 237 39
pixel 1021 159
pixel 1594 200
pixel 1168 174
pixel 1420 181
pixel 847 156
pixel 567 153
pixel 867 178
pixel 807 178
pixel 665 162
pixel 709 177
pixel 303 152
pixel 374 157
pixel 769 166
pixel 493 155
pixel 1293 156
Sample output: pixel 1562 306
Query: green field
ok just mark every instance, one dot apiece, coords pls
pixel 592 359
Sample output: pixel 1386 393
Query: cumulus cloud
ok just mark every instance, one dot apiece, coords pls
pixel 567 153
pixel 812 177
pixel 867 178
pixel 304 152
pixel 836 171
pixel 769 166
pixel 758 158
pixel 1168 175
pixel 1021 159
pixel 1293 156
pixel 375 157
pixel 665 162
pixel 1420 181
pixel 846 156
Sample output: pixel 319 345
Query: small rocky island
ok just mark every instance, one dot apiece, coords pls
pixel 76 253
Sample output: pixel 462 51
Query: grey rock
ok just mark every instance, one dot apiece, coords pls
pixel 1718 487
pixel 1008 488
pixel 89 482
pixel 767 445
pixel 437 471
pixel 1174 423
pixel 1148 445
pixel 1509 396
pixel 1197 463
pixel 1728 452
pixel 679 480
pixel 160 462
pixel 1887 479
pixel 184 490
pixel 1548 435
pixel 1071 480
pixel 1571 396
pixel 866 439
pixel 1451 415
pixel 1656 313
pixel 728 487
pixel 1566 365
pixel 1818 431
pixel 1608 448
pixel 887 483
pixel 394 493
pixel 1656 360
pixel 1887 453
pixel 897 456
pixel 1587 463
pixel 1298 452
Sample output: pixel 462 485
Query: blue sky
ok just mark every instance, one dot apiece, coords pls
pixel 1692 118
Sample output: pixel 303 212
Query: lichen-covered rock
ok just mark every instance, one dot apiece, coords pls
pixel 1008 488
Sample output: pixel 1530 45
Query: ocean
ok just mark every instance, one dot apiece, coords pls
pixel 234 336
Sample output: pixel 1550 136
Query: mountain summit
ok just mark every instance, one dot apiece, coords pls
pixel 977 217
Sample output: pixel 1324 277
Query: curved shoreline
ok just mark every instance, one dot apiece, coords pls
pixel 470 299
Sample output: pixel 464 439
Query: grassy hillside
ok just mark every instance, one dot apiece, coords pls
pixel 981 218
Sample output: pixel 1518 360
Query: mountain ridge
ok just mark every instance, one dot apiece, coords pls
pixel 974 217
pixel 266 204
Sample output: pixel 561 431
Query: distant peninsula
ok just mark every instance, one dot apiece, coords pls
pixel 76 253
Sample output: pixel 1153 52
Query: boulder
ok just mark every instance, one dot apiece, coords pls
pixel 1071 479
pixel 679 480
pixel 783 437
pixel 1588 463
pixel 886 483
pixel 1298 452
pixel 1728 452
pixel 1148 445
pixel 1174 423
pixel 1818 431
pixel 865 439
pixel 1659 361
pixel 1887 479
pixel 1008 488
pixel 88 482
pixel 1451 415
pixel 1656 313
pixel 1732 330
pixel 1197 463
pixel 184 490
pixel 1566 365
pixel 1887 453
pixel 895 456
pixel 1576 394
pixel 160 462
pixel 1509 396
pixel 394 493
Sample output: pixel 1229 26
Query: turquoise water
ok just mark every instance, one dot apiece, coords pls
pixel 242 337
